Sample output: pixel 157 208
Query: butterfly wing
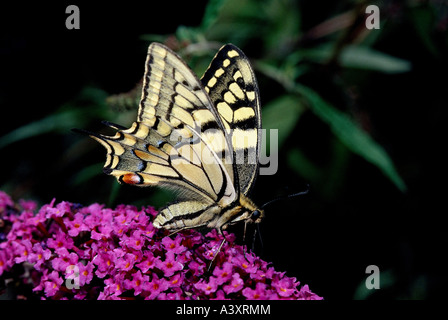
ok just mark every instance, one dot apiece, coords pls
pixel 232 87
pixel 177 142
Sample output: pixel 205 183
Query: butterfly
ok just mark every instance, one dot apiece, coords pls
pixel 200 138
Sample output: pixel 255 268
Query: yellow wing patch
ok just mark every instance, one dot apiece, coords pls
pixel 233 89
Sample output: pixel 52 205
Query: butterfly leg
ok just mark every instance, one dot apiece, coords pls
pixel 256 231
pixel 176 231
pixel 219 248
pixel 244 240
pixel 214 257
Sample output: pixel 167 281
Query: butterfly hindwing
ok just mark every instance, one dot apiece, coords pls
pixel 136 161
pixel 232 87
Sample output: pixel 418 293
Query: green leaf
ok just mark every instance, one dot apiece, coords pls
pixel 188 34
pixel 356 139
pixel 114 190
pixel 153 37
pixel 283 114
pixel 87 173
pixel 369 59
pixel 66 118
pixel 424 23
pixel 360 57
pixel 387 280
pixel 211 13
pixel 303 166
pixel 282 25
pixel 54 122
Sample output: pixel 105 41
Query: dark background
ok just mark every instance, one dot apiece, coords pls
pixel 353 216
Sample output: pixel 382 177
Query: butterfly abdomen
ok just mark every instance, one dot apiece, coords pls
pixel 186 214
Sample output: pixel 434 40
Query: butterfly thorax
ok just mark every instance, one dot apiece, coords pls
pixel 242 210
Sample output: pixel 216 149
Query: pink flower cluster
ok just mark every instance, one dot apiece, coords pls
pixel 67 251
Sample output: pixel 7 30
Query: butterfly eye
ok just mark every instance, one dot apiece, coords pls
pixel 255 215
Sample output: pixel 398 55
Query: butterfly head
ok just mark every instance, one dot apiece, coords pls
pixel 256 216
pixel 252 213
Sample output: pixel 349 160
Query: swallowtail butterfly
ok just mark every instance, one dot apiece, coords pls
pixel 200 138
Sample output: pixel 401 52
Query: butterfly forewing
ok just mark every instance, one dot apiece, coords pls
pixel 232 87
pixel 174 102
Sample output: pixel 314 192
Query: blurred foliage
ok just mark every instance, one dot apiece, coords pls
pixel 313 75
pixel 274 26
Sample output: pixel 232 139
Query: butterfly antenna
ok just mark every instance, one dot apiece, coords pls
pixel 287 196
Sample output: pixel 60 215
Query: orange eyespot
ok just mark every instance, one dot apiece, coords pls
pixel 131 178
